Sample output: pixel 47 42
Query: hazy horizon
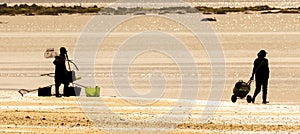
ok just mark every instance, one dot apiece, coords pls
pixel 160 3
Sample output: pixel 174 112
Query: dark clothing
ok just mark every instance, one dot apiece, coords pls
pixel 261 71
pixel 60 73
pixel 264 85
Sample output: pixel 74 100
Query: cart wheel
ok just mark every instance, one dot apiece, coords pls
pixel 233 98
pixel 249 99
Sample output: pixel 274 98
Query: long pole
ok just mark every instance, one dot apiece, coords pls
pixel 69 67
pixel 68 62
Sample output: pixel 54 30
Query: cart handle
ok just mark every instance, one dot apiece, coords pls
pixel 80 85
pixel 249 82
pixel 48 74
pixel 25 91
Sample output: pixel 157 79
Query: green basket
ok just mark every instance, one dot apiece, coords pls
pixel 92 91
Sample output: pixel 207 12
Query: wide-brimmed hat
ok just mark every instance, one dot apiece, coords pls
pixel 262 53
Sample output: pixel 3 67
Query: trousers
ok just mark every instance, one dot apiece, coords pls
pixel 261 83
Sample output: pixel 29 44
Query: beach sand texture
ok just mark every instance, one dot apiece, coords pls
pixel 24 39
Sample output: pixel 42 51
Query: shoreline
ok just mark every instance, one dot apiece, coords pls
pixel 237 3
pixel 34 9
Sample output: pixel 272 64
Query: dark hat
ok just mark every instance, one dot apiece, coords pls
pixel 262 53
pixel 63 50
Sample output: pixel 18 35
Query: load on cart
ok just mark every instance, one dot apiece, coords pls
pixel 241 90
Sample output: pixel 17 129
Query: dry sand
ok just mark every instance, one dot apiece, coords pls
pixel 33 114
pixel 24 39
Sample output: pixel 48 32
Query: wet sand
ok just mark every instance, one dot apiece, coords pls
pixel 24 39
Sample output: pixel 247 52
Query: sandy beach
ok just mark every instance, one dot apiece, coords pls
pixel 24 39
pixel 65 115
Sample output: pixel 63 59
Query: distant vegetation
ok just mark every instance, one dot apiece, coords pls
pixel 34 9
pixel 30 10
pixel 262 9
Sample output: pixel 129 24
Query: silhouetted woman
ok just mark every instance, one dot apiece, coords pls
pixel 60 71
pixel 261 72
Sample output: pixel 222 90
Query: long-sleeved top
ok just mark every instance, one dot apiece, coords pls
pixel 60 67
pixel 261 68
